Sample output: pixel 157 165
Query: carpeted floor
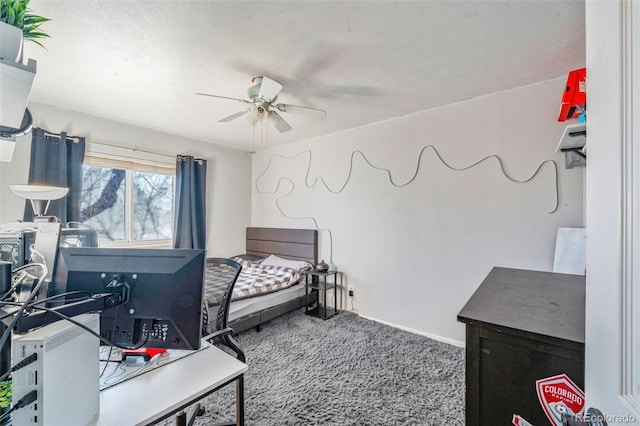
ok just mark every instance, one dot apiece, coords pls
pixel 343 371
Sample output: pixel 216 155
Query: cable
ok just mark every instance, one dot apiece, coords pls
pixel 22 402
pixel 102 339
pixel 67 301
pixel 391 180
pixel 18 314
pixel 28 360
pixel 7 414
pixel 47 299
pixel 31 305
pixel 9 314
pixel 71 320
pixel 34 305
pixel 115 319
pixel 353 309
pixel 26 400
pixel 33 251
pixel 18 280
pixel 107 361
pixel 25 266
pixel 10 291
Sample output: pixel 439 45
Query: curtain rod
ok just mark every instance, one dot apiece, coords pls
pixel 132 149
pixel 184 157
pixel 75 139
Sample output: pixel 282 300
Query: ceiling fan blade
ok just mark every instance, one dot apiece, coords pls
pixel 269 89
pixel 300 110
pixel 233 116
pixel 279 123
pixel 225 97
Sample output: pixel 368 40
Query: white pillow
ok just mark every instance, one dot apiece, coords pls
pixel 298 265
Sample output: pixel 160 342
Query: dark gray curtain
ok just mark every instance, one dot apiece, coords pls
pixel 57 161
pixel 190 219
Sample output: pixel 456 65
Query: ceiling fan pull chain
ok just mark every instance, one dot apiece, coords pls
pixel 265 129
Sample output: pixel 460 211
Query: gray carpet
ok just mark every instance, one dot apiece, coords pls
pixel 344 371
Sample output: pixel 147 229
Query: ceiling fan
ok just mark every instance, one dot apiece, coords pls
pixel 262 100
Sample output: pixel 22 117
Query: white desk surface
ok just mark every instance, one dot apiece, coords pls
pixel 150 396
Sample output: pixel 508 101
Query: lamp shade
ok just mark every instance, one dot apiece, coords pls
pixel 39 195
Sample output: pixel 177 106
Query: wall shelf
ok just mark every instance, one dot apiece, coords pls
pixel 16 80
pixel 574 145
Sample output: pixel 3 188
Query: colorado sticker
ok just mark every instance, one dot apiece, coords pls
pixel 559 395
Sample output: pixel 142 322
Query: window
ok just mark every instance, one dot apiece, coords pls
pixel 129 202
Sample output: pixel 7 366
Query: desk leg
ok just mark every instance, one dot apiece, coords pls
pixel 181 419
pixel 240 401
pixel 325 298
pixel 335 293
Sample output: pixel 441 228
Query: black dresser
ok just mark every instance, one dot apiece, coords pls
pixel 521 326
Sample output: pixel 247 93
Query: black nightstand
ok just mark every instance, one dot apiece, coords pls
pixel 317 281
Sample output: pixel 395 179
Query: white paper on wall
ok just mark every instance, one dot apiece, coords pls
pixel 569 257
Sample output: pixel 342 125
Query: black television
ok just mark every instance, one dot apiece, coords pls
pixel 162 291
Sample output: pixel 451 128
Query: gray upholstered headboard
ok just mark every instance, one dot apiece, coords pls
pixel 297 244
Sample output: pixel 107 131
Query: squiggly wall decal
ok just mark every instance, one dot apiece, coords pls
pixel 390 176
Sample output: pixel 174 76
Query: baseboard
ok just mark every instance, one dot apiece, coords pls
pixel 421 333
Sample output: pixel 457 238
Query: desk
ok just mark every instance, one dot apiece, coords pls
pixel 160 393
pixel 521 326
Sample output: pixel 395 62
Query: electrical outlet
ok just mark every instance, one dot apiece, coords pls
pixel 350 291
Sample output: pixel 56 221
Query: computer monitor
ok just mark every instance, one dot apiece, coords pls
pixel 162 290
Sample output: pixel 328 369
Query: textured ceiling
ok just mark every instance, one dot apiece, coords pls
pixel 141 62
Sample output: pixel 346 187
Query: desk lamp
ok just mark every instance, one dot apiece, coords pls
pixel 40 197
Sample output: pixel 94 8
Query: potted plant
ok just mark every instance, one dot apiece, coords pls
pixel 17 24
pixel 5 395
pixel 5 382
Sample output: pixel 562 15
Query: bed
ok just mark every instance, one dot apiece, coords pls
pixel 249 309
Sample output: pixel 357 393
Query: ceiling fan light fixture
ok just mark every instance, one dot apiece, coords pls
pixel 259 112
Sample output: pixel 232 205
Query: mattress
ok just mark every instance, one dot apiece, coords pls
pixel 241 308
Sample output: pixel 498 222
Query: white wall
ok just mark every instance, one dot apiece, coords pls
pixel 415 254
pixel 228 170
